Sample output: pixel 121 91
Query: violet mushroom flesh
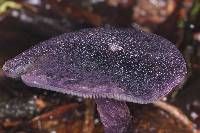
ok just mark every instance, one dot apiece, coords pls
pixel 111 65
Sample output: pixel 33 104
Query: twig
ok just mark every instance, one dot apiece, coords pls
pixel 88 125
pixel 178 114
pixel 56 112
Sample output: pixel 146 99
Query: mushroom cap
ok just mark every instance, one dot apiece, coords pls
pixel 123 64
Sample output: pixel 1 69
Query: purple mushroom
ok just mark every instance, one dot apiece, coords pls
pixel 111 65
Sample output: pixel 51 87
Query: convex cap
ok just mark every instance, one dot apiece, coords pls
pixel 122 64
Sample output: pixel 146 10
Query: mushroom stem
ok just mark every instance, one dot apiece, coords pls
pixel 115 115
